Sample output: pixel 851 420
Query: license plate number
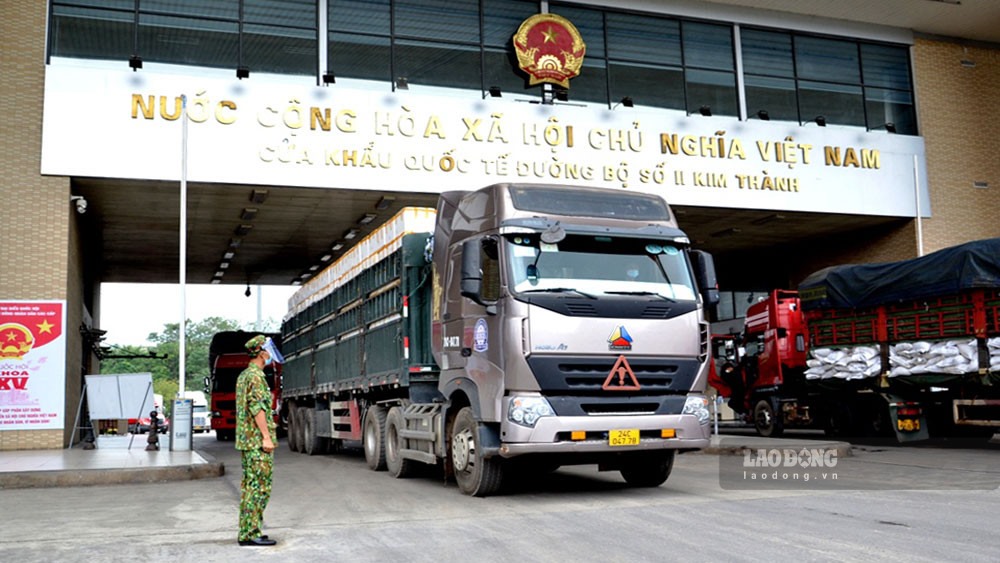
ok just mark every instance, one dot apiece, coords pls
pixel 623 438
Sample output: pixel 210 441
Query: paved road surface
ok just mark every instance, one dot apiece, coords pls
pixel 332 508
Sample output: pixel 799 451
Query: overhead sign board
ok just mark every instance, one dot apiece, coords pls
pixel 120 124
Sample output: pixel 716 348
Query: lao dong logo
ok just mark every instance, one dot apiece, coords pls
pixel 788 465
pixel 788 458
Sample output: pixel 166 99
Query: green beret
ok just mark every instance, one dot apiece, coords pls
pixel 255 344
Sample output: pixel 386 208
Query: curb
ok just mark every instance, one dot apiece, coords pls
pixel 111 476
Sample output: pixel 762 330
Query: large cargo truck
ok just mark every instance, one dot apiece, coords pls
pixel 227 357
pixel 528 324
pixel 876 348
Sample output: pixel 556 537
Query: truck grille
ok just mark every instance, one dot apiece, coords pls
pixel 586 376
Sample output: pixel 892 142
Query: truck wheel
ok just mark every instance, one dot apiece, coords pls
pixel 289 414
pixel 397 465
pixel 648 470
pixel 299 416
pixel 312 444
pixel 767 419
pixel 373 437
pixel 475 475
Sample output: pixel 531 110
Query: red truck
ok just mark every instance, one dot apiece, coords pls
pixel 227 357
pixel 876 348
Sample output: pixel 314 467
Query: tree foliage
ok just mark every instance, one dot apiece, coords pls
pixel 165 372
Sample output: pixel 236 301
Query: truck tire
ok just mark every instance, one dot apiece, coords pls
pixel 311 444
pixel 650 470
pixel 373 438
pixel 767 418
pixel 475 475
pixel 298 415
pixel 292 425
pixel 398 466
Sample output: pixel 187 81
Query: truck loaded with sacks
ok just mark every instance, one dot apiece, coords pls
pixel 895 348
pixel 527 325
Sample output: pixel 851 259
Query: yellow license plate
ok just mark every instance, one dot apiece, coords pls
pixel 623 438
pixel 908 425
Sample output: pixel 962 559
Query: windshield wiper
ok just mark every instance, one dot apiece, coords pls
pixel 660 295
pixel 559 290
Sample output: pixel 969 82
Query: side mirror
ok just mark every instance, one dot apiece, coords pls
pixel 471 283
pixel 704 272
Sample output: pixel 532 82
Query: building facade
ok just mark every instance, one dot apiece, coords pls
pixel 785 141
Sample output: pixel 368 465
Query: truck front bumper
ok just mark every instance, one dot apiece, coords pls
pixel 553 434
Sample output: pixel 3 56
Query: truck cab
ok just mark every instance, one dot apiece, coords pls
pixel 569 323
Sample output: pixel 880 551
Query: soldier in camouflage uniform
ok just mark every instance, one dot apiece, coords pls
pixel 255 432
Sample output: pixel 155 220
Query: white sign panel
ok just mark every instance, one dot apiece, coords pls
pixel 32 365
pixel 180 425
pixel 121 124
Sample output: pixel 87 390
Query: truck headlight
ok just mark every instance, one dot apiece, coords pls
pixel 527 410
pixel 698 406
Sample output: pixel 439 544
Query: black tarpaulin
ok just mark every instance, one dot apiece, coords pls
pixel 945 272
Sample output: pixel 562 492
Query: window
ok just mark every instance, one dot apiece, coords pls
pixel 277 36
pixel 797 78
pixel 656 61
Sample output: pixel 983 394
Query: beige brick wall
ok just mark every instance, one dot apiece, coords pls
pixel 35 216
pixel 959 117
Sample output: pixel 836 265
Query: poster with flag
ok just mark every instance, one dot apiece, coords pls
pixel 32 365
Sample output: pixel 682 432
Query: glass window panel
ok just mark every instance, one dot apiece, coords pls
pixel 647 85
pixel 711 88
pixel 886 66
pixel 128 5
pixel 188 41
pixel 838 103
pixel 360 56
pixel 92 34
pixel 644 39
pixel 502 70
pixel 590 24
pixel 708 46
pixel 891 106
pixel 359 16
pixel 776 96
pixel 287 13
pixel 592 83
pixel 501 18
pixel 227 9
pixel 445 20
pixel 437 64
pixel 279 50
pixel 767 52
pixel 831 60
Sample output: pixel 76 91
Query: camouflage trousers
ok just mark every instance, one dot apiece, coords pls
pixel 255 491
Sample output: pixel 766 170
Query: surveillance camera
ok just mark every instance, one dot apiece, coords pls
pixel 81 203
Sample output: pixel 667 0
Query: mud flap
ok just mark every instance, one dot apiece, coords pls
pixel 907 418
pixel 489 440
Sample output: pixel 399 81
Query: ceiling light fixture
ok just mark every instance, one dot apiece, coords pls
pixel 248 213
pixel 350 233
pixel 367 218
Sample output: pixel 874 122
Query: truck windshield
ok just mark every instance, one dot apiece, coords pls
pixel 599 265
